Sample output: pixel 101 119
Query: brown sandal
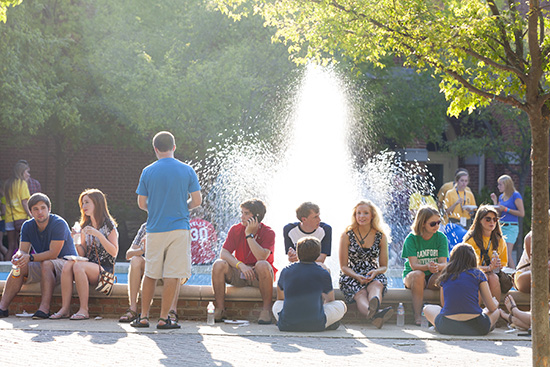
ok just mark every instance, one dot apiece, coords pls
pixel 129 316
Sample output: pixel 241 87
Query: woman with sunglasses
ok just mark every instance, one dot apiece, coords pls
pixel 426 250
pixel 486 238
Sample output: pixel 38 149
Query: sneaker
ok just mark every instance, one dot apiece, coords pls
pixel 381 317
pixel 4 313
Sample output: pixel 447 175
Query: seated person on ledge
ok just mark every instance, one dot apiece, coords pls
pixel 136 255
pixel 246 259
pixel 461 285
pixel 50 237
pixel 309 224
pixel 305 298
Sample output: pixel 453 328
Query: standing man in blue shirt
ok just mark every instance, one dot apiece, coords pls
pixel 167 190
pixel 50 237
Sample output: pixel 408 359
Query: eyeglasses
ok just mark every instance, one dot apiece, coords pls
pixel 491 219
pixel 436 223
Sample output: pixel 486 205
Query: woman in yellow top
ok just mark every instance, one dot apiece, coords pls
pixel 486 238
pixel 459 202
pixel 17 194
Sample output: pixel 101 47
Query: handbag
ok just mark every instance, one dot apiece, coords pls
pixel 506 281
pixel 106 279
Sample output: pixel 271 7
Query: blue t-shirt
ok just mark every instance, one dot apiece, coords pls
pixel 167 184
pixel 461 295
pixel 56 230
pixel 293 233
pixel 510 203
pixel 303 285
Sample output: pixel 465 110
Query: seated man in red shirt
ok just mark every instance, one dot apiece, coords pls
pixel 246 259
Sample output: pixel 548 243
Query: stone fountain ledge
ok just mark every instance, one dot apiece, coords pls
pixel 241 303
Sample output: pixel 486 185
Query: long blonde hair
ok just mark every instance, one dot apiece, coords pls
pixel 377 222
pixel 509 187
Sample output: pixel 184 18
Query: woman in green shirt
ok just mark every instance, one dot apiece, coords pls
pixel 426 250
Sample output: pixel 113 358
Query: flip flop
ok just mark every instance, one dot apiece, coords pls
pixel 374 306
pixel 128 317
pixel 78 317
pixel 168 324
pixel 58 316
pixel 137 322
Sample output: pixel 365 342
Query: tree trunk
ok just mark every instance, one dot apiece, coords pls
pixel 539 258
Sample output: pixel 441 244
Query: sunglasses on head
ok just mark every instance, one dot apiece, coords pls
pixel 491 219
pixel 436 223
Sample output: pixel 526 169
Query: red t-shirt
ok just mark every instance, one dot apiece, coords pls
pixel 236 242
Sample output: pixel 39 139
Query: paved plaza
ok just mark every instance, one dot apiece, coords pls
pixel 104 342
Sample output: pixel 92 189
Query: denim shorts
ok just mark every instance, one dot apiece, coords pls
pixel 480 325
pixel 510 232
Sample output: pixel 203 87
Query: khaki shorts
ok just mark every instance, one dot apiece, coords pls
pixel 35 271
pixel 237 279
pixel 168 254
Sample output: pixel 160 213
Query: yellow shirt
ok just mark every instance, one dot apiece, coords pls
pixel 446 187
pixel 452 196
pixel 502 252
pixel 14 209
pixel 417 200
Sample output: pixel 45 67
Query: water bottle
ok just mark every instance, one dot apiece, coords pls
pixel 210 313
pixel 424 321
pixel 400 315
pixel 76 236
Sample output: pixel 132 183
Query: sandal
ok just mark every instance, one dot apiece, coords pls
pixel 173 316
pixel 129 316
pixel 510 304
pixel 168 324
pixel 78 317
pixel 374 306
pixel 138 322
pixel 58 316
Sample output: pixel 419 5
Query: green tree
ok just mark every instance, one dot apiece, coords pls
pixel 185 67
pixel 4 5
pixel 398 107
pixel 44 86
pixel 483 51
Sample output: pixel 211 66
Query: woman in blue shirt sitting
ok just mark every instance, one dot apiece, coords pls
pixel 461 283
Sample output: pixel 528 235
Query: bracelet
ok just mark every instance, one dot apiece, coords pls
pixel 237 266
pixel 507 209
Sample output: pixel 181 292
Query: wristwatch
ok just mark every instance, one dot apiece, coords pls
pixel 250 236
pixel 31 257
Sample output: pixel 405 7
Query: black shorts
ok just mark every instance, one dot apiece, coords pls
pixel 480 325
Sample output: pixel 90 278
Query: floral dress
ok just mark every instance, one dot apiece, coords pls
pixel 106 260
pixel 361 261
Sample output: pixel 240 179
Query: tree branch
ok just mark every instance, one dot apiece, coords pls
pixel 491 62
